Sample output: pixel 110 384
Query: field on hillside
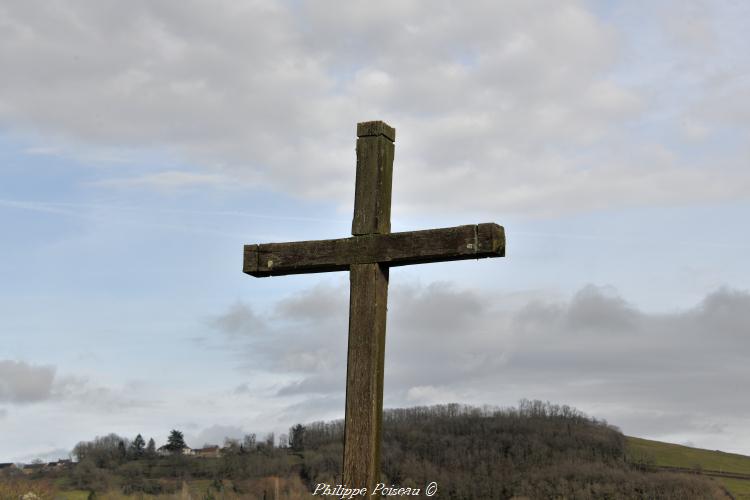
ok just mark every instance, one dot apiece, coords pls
pixel 199 489
pixel 676 455
pixel 707 461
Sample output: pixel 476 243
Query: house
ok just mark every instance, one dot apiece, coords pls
pixel 29 468
pixel 164 451
pixel 207 452
pixel 60 464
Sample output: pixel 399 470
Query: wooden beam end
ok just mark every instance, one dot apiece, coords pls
pixel 375 128
pixel 250 261
pixel 491 239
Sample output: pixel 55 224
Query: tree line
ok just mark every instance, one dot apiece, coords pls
pixel 535 450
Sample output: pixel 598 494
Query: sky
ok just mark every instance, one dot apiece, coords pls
pixel 142 144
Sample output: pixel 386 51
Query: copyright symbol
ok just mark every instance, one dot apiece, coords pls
pixel 431 489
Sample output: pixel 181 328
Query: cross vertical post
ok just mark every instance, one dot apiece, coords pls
pixel 368 301
pixel 368 255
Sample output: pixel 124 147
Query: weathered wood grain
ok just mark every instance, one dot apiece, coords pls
pixel 395 249
pixel 372 192
pixel 365 129
pixel 367 305
pixel 364 375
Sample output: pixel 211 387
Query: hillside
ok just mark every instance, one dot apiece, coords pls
pixel 535 451
pixel 729 469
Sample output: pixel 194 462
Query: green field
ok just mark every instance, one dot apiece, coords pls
pixel 191 489
pixel 675 455
pixel 740 488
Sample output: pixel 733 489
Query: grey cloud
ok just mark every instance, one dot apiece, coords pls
pixel 240 320
pixel 500 106
pixel 597 308
pixel 683 370
pixel 655 422
pixel 727 311
pixel 318 304
pixel 21 382
pixel 24 383
pixel 83 393
pixel 296 335
pixel 328 382
pixel 437 309
pixel 243 388
pixel 214 435
pixel 315 408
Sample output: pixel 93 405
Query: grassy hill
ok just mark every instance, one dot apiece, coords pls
pixel 717 464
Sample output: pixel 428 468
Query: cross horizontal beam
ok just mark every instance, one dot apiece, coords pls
pixel 395 249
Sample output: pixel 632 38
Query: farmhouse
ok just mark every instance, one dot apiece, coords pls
pixel 60 464
pixel 207 452
pixel 164 451
pixel 29 468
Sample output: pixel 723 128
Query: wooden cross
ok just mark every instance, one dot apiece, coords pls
pixel 367 255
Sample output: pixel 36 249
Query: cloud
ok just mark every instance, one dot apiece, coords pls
pixel 214 435
pixel 166 180
pixel 314 408
pixel 515 106
pixel 243 388
pixel 600 309
pixel 82 393
pixel 25 383
pixel 316 311
pixel 648 372
pixel 21 382
pixel 239 320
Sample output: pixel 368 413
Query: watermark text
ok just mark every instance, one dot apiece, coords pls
pixel 343 492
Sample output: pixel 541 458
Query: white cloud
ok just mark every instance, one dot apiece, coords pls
pixel 511 106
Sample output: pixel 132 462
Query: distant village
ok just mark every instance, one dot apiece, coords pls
pixel 38 465
pixel 35 466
